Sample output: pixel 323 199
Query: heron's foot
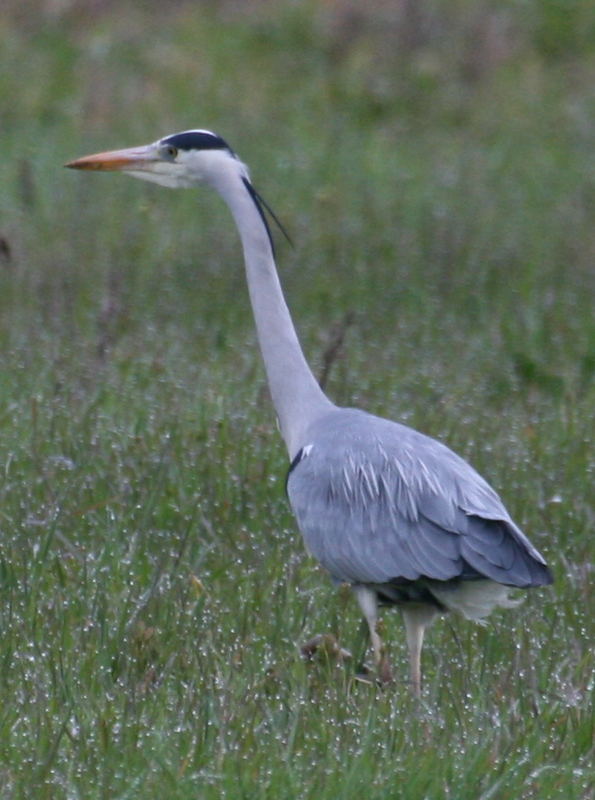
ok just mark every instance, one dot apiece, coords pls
pixel 381 677
pixel 365 675
pixel 324 647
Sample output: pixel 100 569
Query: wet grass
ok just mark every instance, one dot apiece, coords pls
pixel 153 588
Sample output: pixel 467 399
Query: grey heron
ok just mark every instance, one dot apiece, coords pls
pixel 390 511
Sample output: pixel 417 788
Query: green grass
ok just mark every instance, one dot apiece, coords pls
pixel 435 170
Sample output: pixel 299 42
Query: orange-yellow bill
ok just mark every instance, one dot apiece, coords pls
pixel 134 158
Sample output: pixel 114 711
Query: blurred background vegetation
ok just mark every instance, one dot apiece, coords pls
pixel 433 162
pixel 437 117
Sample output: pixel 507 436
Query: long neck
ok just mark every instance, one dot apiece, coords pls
pixel 296 395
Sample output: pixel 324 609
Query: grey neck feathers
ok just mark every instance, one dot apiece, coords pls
pixel 296 395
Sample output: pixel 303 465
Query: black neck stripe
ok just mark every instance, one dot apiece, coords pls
pixel 259 205
pixel 262 205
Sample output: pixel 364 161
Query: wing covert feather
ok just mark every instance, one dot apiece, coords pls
pixel 378 502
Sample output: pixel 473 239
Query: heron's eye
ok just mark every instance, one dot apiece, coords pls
pixel 169 151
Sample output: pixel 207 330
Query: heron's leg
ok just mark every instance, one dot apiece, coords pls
pixel 416 618
pixel 363 641
pixel 368 603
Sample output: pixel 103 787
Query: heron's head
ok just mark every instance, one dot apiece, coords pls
pixel 180 160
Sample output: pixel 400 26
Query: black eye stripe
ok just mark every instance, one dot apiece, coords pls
pixel 196 140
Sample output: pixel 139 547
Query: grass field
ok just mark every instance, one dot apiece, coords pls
pixel 434 165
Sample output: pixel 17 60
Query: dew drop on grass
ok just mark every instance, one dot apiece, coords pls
pixel 61 461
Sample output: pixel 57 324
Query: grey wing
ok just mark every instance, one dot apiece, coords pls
pixel 378 502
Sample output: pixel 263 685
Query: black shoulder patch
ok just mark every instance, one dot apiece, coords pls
pixel 196 140
pixel 296 460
